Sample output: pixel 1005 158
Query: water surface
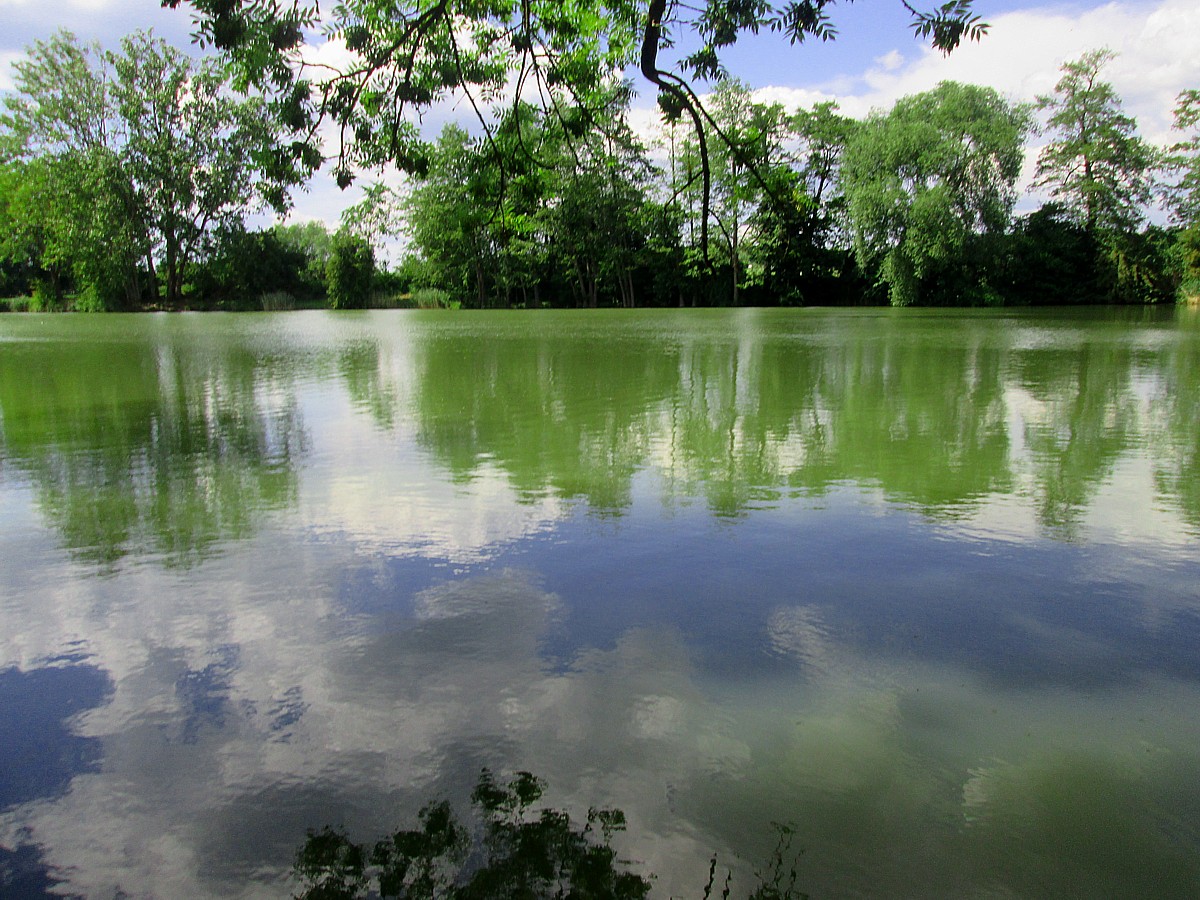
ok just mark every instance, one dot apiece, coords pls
pixel 924 584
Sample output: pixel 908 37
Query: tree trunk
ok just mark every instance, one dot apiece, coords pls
pixel 174 293
pixel 733 242
pixel 480 285
pixel 154 293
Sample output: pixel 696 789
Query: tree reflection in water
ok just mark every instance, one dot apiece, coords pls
pixel 136 446
pixel 518 851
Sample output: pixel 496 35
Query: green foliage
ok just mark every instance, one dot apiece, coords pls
pixel 596 228
pixel 376 216
pixel 311 238
pixel 493 226
pixel 406 56
pixel 247 265
pixel 448 215
pixel 747 175
pixel 127 171
pixel 62 99
pixel 803 240
pixel 45 298
pixel 1052 259
pixel 349 272
pixel 516 850
pixel 313 242
pixel 1187 255
pixel 1096 165
pixel 195 151
pixel 66 202
pixel 927 184
pixel 522 852
pixel 15 304
pixel 129 166
pixel 419 863
pixel 1144 267
pixel 64 198
pixel 1183 162
pixel 432 298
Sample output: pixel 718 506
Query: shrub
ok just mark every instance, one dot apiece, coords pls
pixel 247 267
pixel 15 304
pixel 44 297
pixel 432 298
pixel 349 274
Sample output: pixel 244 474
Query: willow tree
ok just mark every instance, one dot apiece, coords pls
pixel 406 55
pixel 926 182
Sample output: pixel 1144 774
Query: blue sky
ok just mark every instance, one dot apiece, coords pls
pixel 875 60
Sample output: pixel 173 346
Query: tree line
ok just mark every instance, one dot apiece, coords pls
pixel 913 205
pixel 126 179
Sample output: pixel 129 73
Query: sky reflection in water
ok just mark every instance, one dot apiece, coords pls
pixel 925 585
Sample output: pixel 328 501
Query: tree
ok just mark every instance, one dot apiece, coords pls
pixel 1183 196
pixel 248 266
pixel 65 220
pixel 1096 165
pixel 69 212
pixel 18 266
pixel 62 103
pixel 447 216
pixel 594 226
pixel 1051 259
pixel 376 216
pixel 804 236
pixel 522 853
pixel 197 154
pixel 138 158
pixel 404 56
pixel 519 849
pixel 927 183
pixel 350 271
pixel 562 216
pixel 744 173
pixel 313 240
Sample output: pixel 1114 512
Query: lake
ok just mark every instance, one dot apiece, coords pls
pixel 923 584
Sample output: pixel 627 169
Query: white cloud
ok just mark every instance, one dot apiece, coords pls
pixel 1157 46
pixel 1158 49
pixel 890 61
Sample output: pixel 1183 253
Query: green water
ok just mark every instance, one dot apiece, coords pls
pixel 924 584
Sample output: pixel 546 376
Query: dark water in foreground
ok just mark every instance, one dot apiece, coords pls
pixel 926 585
